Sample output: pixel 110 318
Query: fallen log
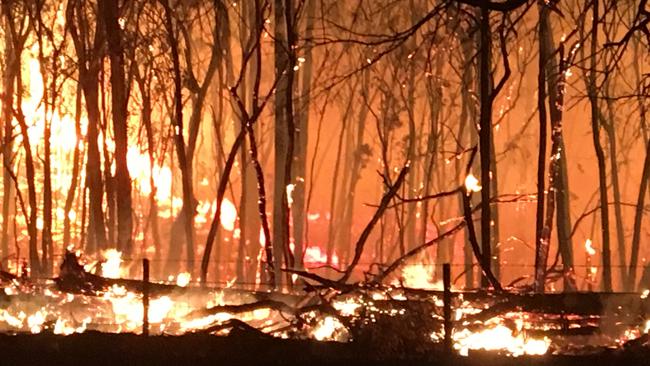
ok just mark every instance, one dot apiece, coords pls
pixel 581 304
pixel 243 308
pixel 73 278
pixel 237 328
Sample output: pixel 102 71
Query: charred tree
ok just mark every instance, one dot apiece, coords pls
pixel 485 139
pixel 552 82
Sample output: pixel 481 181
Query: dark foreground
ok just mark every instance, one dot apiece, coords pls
pixel 243 349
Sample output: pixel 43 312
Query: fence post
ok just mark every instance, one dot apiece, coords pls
pixel 145 297
pixel 446 280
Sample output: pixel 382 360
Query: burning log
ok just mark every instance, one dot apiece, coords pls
pixel 74 278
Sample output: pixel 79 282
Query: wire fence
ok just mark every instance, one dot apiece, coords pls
pixel 587 274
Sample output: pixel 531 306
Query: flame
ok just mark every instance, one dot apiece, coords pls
pixel 290 189
pixel 472 184
pixel 589 247
pixel 140 170
pixel 262 238
pixel 347 307
pixel 315 256
pixel 183 279
pixel 228 215
pixel 499 337
pixel 420 276
pixel 113 261
pixel 327 329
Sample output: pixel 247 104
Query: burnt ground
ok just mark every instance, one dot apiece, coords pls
pixel 92 348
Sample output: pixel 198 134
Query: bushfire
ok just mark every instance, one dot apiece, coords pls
pixel 457 177
pixel 93 295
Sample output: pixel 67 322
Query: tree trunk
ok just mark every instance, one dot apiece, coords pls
pixel 541 157
pixel 495 252
pixel 110 13
pixel 284 133
pixel 616 190
pixel 10 63
pixel 600 155
pixel 220 32
pixel 563 222
pixel 46 232
pixel 357 163
pixel 249 220
pixel 434 97
pixel 15 75
pixel 96 228
pixel 467 127
pixel 188 197
pixel 89 66
pixel 638 219
pixel 32 230
pixel 153 202
pixel 302 133
pixel 552 84
pixel 485 139
pixel 74 179
pixel 333 220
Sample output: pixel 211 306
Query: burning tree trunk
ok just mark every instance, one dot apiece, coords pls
pixel 552 80
pixel 110 12
pixel 495 252
pixel 563 222
pixel 467 127
pixel 485 139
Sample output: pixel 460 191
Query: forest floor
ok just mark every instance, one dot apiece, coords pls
pixel 241 348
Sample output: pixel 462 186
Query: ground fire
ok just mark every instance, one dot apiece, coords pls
pixel 353 181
